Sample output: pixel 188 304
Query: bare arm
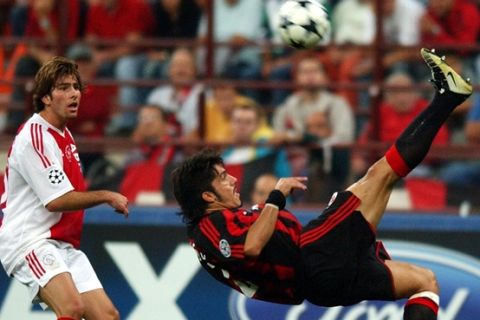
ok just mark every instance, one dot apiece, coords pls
pixel 262 229
pixel 75 200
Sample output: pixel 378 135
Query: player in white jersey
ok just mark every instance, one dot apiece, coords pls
pixel 44 201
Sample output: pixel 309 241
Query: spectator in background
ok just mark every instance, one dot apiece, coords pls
pixel 98 102
pixel 123 21
pixel 180 98
pixel 43 22
pixel 237 22
pixel 173 20
pixel 401 26
pixel 328 167
pixel 401 104
pixel 463 177
pixel 247 161
pixel 18 17
pixel 264 184
pixel 450 22
pixel 401 21
pixel 218 114
pixel 146 171
pixel 289 118
pixel 277 60
pixel 353 22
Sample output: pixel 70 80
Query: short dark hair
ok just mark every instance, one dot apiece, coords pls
pixel 193 177
pixel 48 75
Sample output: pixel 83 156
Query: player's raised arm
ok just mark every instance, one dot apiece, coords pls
pixel 261 231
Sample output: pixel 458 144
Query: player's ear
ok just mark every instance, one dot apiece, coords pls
pixel 209 196
pixel 46 99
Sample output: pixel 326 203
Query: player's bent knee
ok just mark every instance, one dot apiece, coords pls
pixel 115 314
pixel 381 171
pixel 429 281
pixel 111 314
pixel 74 308
pixel 425 280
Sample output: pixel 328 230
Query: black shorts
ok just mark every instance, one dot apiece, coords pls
pixel 344 264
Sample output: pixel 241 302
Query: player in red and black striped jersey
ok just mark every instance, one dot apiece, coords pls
pixel 335 259
pixel 219 238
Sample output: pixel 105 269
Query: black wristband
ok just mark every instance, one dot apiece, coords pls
pixel 277 198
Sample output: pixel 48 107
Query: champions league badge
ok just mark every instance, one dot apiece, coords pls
pixel 56 176
pixel 225 248
pixel 457 273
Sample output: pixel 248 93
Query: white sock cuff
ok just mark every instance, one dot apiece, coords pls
pixel 427 294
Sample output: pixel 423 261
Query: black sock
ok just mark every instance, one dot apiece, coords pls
pixel 420 308
pixel 413 144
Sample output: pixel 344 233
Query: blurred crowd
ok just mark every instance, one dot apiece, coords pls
pixel 156 94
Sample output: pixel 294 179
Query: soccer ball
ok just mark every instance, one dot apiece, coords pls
pixel 303 23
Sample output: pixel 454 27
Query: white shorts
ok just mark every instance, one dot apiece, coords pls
pixel 50 259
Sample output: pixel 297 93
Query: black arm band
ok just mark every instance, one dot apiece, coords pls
pixel 277 198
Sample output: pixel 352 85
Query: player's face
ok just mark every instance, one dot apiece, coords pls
pixel 63 101
pixel 225 189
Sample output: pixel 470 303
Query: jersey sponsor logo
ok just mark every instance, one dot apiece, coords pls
pixel 71 152
pixel 56 176
pixel 225 248
pixel 457 273
pixel 68 153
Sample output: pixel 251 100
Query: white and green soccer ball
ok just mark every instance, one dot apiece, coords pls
pixel 303 24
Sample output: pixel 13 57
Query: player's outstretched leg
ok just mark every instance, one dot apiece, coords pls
pixel 413 144
pixel 451 90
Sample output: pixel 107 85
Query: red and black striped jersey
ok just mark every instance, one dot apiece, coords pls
pixel 275 275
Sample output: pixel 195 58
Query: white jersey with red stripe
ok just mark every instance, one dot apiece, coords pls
pixel 42 165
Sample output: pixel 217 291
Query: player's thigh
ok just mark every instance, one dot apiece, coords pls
pixel 98 306
pixel 374 190
pixel 61 295
pixel 409 279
